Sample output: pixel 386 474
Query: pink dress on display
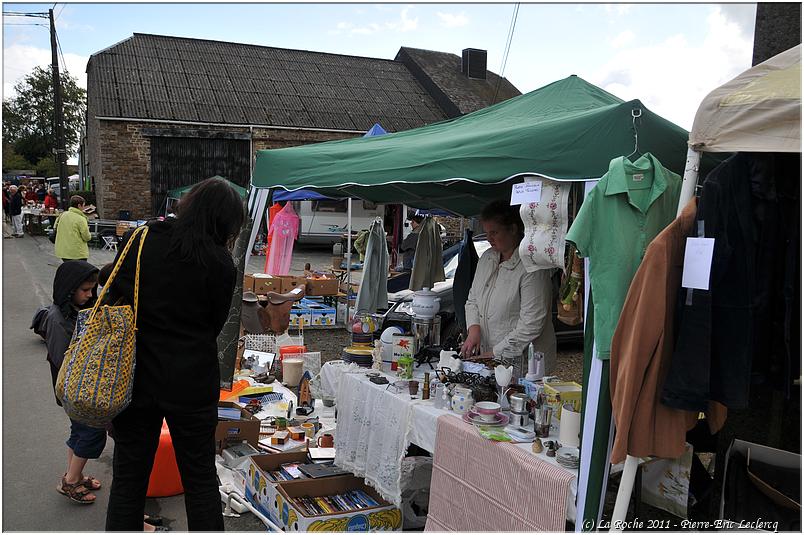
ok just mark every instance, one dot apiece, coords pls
pixel 284 230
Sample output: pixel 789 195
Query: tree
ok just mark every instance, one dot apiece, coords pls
pixel 12 160
pixel 46 166
pixel 29 117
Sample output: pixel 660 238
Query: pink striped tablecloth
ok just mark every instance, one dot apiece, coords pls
pixel 481 485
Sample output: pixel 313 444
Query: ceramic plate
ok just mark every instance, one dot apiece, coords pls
pixel 475 419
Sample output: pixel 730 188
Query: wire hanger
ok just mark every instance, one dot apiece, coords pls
pixel 635 113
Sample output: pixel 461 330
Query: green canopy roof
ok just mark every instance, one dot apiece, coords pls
pixel 567 130
pixel 178 192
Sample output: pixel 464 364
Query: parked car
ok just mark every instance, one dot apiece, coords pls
pixel 400 301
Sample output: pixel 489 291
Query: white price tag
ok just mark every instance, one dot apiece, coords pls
pixel 697 263
pixel 526 192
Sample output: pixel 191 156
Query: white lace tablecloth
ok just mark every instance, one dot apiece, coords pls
pixel 372 428
pixel 376 424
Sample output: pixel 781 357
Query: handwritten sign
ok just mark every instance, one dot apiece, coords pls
pixel 697 263
pixel 526 192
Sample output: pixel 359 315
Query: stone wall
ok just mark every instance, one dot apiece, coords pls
pixel 120 158
pixel 125 163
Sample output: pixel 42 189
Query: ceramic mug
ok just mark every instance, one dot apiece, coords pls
pixel 325 441
pixel 462 399
pixel 309 429
pixel 413 388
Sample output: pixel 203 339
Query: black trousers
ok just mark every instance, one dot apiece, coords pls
pixel 136 436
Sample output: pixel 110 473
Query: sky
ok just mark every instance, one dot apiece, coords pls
pixel 667 55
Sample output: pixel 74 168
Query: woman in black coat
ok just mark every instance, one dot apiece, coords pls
pixel 187 277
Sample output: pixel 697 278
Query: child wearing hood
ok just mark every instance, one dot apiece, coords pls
pixel 74 288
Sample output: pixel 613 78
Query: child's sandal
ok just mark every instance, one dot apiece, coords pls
pixel 77 492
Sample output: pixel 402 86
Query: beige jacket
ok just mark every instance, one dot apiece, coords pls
pixel 512 307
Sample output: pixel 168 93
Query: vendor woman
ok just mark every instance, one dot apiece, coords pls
pixel 508 307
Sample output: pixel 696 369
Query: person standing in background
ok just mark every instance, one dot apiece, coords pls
pixel 408 246
pixel 15 203
pixel 72 232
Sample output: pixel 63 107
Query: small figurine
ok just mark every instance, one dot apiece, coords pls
pixel 537 447
pixel 305 397
pixel 376 355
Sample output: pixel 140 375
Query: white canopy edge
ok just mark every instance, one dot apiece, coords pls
pixel 758 111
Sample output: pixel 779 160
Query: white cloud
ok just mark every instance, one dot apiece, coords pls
pixel 20 59
pixel 404 24
pixel 453 20
pixel 672 77
pixel 622 39
pixel 617 9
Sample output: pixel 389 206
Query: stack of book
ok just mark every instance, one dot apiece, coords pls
pixel 345 502
pixel 286 472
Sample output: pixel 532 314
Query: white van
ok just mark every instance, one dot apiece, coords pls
pixel 325 221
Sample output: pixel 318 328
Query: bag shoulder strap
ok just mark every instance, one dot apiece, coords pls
pixel 143 231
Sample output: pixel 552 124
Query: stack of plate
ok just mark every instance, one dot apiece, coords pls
pixel 568 458
pixel 359 355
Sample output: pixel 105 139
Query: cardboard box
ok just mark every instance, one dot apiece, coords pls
pixel 321 314
pixel 300 316
pixel 322 286
pixel 290 282
pixel 558 394
pixel 266 283
pixel 248 282
pixel 229 431
pixel 260 490
pixel 384 517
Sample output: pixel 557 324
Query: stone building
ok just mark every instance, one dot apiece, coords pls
pixel 165 112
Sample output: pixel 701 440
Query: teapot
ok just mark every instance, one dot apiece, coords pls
pixel 462 399
pixel 426 303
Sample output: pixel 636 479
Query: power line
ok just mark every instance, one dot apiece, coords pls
pixel 21 14
pixel 61 52
pixel 507 49
pixel 60 11
pixel 24 24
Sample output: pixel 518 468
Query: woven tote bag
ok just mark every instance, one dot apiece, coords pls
pixel 96 379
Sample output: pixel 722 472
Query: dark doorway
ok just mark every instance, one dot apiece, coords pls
pixel 178 162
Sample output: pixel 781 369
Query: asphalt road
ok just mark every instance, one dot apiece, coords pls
pixel 35 428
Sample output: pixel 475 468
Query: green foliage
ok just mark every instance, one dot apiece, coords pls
pixel 46 166
pixel 29 118
pixel 12 160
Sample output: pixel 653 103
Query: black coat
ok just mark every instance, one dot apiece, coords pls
pixel 727 334
pixel 182 308
pixel 15 204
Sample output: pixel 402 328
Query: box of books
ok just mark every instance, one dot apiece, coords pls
pixel 340 503
pixel 264 471
pixel 235 424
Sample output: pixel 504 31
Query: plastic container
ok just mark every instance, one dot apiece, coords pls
pixel 291 350
pixel 292 370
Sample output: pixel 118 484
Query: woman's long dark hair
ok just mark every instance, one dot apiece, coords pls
pixel 210 215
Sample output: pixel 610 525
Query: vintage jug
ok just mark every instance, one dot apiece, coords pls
pixel 462 399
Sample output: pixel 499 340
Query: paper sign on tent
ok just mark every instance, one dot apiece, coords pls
pixel 526 192
pixel 697 263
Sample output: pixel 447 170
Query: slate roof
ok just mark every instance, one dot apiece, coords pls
pixel 161 77
pixel 440 73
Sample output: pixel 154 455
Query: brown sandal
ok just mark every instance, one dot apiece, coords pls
pixel 77 492
pixel 91 483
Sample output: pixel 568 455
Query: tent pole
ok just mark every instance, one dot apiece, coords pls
pixel 348 254
pixel 629 470
pixel 258 209
pixel 690 179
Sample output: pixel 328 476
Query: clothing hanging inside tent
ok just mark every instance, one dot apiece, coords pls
pixel 275 209
pixel 428 266
pixel 464 275
pixel 283 232
pixel 373 293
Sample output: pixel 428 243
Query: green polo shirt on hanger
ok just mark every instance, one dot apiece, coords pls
pixel 630 205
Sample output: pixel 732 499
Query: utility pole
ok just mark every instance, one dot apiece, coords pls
pixel 60 151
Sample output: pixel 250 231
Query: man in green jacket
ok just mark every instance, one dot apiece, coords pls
pixel 72 232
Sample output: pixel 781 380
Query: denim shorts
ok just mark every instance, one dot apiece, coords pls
pixel 86 442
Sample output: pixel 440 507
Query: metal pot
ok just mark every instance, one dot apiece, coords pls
pixel 426 303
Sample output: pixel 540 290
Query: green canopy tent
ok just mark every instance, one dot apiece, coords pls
pixel 568 130
pixel 179 192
